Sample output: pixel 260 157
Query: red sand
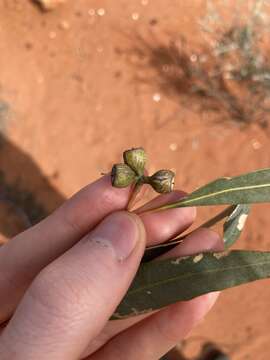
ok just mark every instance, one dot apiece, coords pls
pixel 69 79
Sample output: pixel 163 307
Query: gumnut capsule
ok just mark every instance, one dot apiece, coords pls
pixel 136 159
pixel 122 175
pixel 162 181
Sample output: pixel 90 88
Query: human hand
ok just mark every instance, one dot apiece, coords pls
pixel 61 280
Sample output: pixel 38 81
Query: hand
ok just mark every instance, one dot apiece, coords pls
pixel 61 280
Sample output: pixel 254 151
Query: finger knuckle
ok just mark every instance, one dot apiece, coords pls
pixel 56 294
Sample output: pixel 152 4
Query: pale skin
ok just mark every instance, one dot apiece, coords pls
pixel 61 280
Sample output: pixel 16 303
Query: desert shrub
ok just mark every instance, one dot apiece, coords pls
pixel 227 72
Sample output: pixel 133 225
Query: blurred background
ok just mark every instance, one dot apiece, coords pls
pixel 81 81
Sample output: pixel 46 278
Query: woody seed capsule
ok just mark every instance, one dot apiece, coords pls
pixel 136 159
pixel 162 181
pixel 122 175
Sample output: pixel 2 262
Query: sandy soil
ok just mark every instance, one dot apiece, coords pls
pixel 70 80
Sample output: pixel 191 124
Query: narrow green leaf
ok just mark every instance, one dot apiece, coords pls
pixel 249 188
pixel 154 251
pixel 161 283
pixel 234 224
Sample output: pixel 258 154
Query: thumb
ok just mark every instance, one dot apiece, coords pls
pixel 70 301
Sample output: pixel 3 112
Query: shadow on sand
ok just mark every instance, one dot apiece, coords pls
pixel 26 195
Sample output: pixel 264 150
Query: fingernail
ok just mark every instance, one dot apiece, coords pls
pixel 120 231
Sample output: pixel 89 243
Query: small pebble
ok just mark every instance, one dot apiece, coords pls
pixel 135 16
pixel 193 58
pixel 156 97
pixel 173 147
pixel 256 144
pixel 101 12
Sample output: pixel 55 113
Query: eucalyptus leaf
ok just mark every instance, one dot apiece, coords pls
pixel 230 234
pixel 154 251
pixel 234 224
pixel 253 187
pixel 161 283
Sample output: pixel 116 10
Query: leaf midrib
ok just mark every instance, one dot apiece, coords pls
pixel 251 187
pixel 190 274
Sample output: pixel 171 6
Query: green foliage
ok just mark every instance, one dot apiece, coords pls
pixel 226 72
pixel 234 224
pixel 237 35
pixel 253 187
pixel 159 283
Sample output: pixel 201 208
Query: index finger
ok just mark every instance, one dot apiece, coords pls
pixel 29 252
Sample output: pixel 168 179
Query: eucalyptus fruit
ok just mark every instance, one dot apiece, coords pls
pixel 136 159
pixel 160 283
pixel 162 181
pixel 122 175
pixel 132 172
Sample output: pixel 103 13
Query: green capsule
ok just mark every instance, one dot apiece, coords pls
pixel 162 181
pixel 136 159
pixel 122 175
